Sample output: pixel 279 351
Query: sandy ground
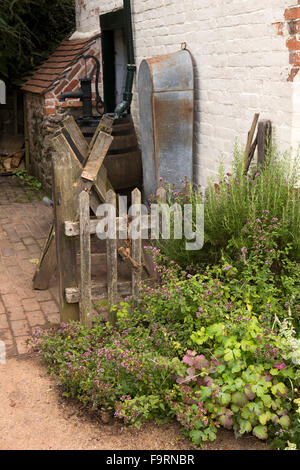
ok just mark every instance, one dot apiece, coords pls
pixel 34 416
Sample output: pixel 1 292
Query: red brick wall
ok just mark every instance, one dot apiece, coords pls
pixel 292 27
pixel 70 82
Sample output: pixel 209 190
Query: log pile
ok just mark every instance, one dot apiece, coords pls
pixel 12 162
pixel 12 153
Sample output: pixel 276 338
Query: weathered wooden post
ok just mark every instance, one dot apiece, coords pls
pixel 161 195
pixel 136 246
pixel 112 264
pixel 85 260
pixel 264 136
pixel 47 263
pixel 64 209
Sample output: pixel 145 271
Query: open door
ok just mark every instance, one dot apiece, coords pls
pixel 114 58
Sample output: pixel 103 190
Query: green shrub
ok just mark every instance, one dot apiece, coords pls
pixel 236 199
pixel 213 349
pixel 27 180
pixel 217 348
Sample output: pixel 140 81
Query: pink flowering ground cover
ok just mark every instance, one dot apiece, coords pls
pixel 215 343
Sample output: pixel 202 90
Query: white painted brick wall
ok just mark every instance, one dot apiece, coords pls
pixel 241 65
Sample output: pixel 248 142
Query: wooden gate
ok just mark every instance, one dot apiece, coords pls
pixel 80 185
pixel 112 290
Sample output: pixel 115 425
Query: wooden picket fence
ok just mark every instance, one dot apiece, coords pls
pixel 112 290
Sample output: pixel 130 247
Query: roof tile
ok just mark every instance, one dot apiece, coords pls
pixel 66 54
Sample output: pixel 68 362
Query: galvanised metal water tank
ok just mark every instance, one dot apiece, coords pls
pixel 166 107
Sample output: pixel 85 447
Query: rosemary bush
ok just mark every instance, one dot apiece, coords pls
pixel 238 198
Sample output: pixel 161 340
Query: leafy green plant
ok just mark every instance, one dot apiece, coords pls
pixel 238 377
pixel 211 347
pixel 27 180
pixel 203 349
pixel 236 199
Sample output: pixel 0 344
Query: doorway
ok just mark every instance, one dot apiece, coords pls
pixel 114 58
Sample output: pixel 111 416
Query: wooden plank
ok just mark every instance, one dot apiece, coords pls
pixel 47 263
pixel 264 138
pixel 105 125
pixel 122 210
pixel 99 187
pixel 85 260
pixel 161 195
pixel 250 156
pixel 250 136
pixel 102 183
pixel 97 156
pixel 136 246
pixel 99 292
pixel 64 209
pixel 63 149
pixel 99 258
pixel 79 150
pixel 70 125
pixel 112 265
pixel 72 228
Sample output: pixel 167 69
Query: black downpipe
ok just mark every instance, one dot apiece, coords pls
pixel 131 67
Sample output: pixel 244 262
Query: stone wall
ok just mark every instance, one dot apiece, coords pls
pixel 41 128
pixel 246 56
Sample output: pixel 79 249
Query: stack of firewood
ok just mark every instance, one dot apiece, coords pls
pixel 11 162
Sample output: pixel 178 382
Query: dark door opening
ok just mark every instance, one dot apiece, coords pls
pixel 114 58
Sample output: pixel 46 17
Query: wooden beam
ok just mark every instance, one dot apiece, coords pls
pixel 96 157
pixel 250 156
pixel 85 260
pixel 112 265
pixel 72 229
pixel 136 246
pixel 98 187
pixel 47 263
pixel 64 209
pixel 250 137
pixel 73 131
pixel 105 125
pixel 264 138
pixel 99 292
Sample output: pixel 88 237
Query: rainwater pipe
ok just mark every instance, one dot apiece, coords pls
pixel 131 67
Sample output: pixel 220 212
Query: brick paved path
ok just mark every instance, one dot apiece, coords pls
pixel 24 223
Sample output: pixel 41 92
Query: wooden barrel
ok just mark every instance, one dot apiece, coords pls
pixel 123 161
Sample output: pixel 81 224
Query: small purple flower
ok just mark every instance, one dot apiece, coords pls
pixel 228 267
pixel 280 366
